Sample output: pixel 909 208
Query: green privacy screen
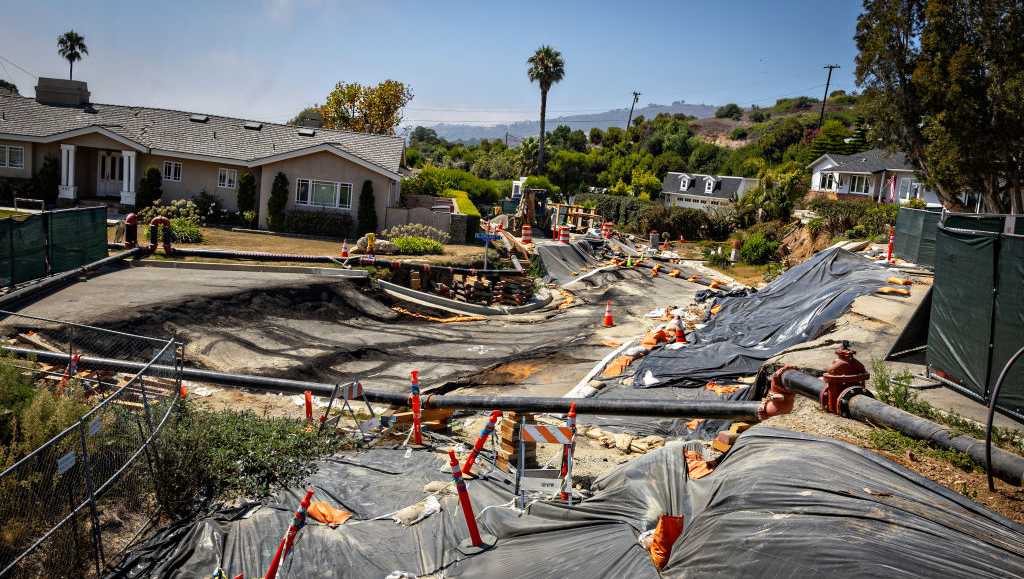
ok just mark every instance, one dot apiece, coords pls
pixel 977 316
pixel 23 251
pixel 77 237
pixel 33 246
pixel 915 236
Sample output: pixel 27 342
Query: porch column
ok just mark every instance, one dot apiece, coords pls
pixel 67 190
pixel 128 183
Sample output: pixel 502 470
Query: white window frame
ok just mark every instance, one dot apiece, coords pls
pixel 908 194
pixel 856 180
pixel 170 167
pixel 684 183
pixel 828 182
pixel 311 185
pixel 5 156
pixel 227 178
pixel 709 186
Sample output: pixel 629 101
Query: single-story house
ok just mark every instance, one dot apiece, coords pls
pixel 104 150
pixel 876 174
pixel 705 192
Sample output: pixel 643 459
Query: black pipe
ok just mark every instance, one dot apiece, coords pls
pixel 991 415
pixel 64 278
pixel 728 410
pixel 355 260
pixel 1005 465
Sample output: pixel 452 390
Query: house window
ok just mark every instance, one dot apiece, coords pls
pixel 227 178
pixel 172 171
pixel 709 186
pixel 909 188
pixel 827 182
pixel 684 183
pixel 13 157
pixel 323 193
pixel 859 184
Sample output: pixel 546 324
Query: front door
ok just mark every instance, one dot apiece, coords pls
pixel 109 173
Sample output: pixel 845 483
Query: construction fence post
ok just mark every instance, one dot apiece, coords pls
pixel 481 441
pixel 285 546
pixel 476 542
pixel 414 386
pixel 567 453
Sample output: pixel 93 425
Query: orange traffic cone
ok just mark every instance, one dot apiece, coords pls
pixel 680 331
pixel 344 249
pixel 608 321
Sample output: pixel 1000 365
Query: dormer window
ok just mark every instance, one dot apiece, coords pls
pixel 684 183
pixel 709 185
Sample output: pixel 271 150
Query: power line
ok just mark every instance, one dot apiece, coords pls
pixel 19 67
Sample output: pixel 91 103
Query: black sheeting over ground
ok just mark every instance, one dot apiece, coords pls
pixel 748 330
pixel 563 262
pixel 780 504
pixel 795 308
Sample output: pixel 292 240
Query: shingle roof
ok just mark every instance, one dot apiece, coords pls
pixel 223 137
pixel 872 161
pixel 726 187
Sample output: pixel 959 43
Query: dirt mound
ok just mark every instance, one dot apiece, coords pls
pixel 801 244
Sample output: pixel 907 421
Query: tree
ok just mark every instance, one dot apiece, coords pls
pixel 645 183
pixel 944 83
pixel 366 109
pixel 150 189
pixel 8 88
pixel 729 111
pixel 307 116
pixel 277 202
pixel 528 156
pixel 71 46
pixel 758 115
pixel 546 68
pixel 47 180
pixel 246 192
pixel 424 135
pixel 595 136
pixel 367 209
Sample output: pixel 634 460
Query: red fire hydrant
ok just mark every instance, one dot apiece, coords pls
pixel 843 379
pixel 131 231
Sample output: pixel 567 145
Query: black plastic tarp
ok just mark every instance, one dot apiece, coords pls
pixel 797 307
pixel 780 504
pixel 565 261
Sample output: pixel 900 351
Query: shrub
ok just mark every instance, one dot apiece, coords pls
pixel 207 206
pixel 676 221
pixel 277 202
pixel 917 203
pixel 877 219
pixel 412 245
pixel 45 182
pixel 720 223
pixel 11 187
pixel 615 208
pixel 716 256
pixel 246 192
pixel 321 223
pixel 729 111
pixel 462 200
pixel 150 189
pixel 177 209
pixel 416 230
pixel 814 226
pixel 758 249
pixel 367 209
pixel 219 455
pixel 739 134
pixel 434 181
pixel 186 230
pixel 248 218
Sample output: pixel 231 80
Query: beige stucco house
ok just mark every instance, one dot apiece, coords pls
pixel 104 150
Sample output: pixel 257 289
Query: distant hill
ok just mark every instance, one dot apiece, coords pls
pixel 603 120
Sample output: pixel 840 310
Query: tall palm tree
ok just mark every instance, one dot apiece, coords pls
pixel 71 46
pixel 546 68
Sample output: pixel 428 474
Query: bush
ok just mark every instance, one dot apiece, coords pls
pixel 842 216
pixel 11 187
pixel 917 203
pixel 434 181
pixel 416 230
pixel 739 134
pixel 729 111
pixel 186 230
pixel 246 192
pixel 462 200
pixel 367 209
pixel 277 202
pixel 207 206
pixel 815 226
pixel 758 249
pixel 150 189
pixel 320 223
pixel 615 208
pixel 717 256
pixel 208 456
pixel 412 245
pixel 177 209
pixel 688 222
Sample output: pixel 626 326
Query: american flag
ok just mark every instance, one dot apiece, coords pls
pixel 892 188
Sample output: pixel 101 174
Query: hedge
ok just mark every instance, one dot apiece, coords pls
pixel 618 208
pixel 466 206
pixel 320 223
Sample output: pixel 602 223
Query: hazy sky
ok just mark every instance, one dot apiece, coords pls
pixel 464 60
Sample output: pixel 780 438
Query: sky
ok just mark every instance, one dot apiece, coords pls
pixel 465 61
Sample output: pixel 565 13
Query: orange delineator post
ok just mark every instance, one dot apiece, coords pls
pixel 309 407
pixel 69 372
pixel 527 234
pixel 467 506
pixel 481 441
pixel 567 452
pixel 414 386
pixel 285 546
pixel 892 241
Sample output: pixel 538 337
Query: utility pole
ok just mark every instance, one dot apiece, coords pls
pixel 506 139
pixel 636 97
pixel 824 99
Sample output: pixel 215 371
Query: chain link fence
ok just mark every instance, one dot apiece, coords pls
pixel 73 505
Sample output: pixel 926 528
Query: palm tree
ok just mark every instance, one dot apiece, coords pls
pixel 71 46
pixel 546 68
